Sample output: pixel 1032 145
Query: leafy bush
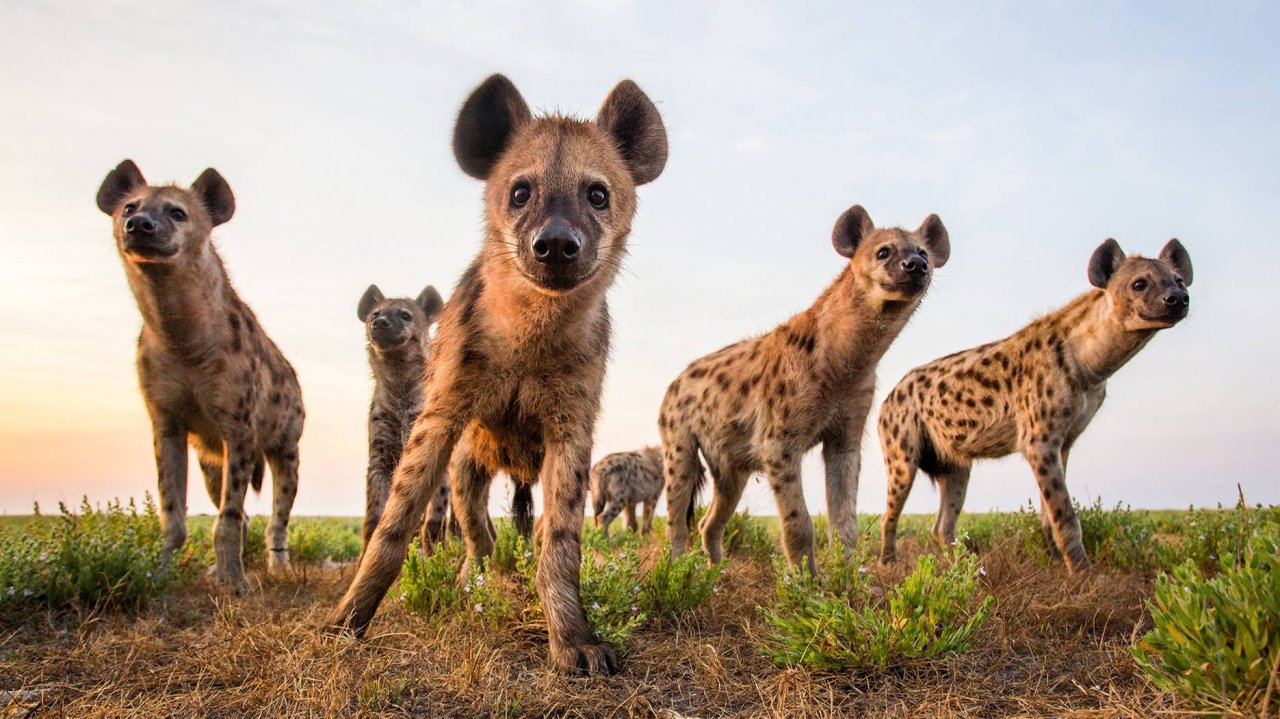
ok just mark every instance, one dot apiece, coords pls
pixel 746 536
pixel 931 613
pixel 317 540
pixel 96 559
pixel 1216 641
pixel 1118 537
pixel 610 590
pixel 674 586
pixel 1207 536
pixel 430 585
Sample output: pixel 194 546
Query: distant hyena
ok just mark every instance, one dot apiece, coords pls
pixel 760 404
pixel 210 375
pixel 622 480
pixel 1033 393
pixel 398 335
pixel 518 361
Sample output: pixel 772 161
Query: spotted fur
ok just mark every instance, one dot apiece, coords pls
pixel 622 480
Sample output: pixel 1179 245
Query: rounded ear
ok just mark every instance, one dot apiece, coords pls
pixel 491 115
pixel 1176 255
pixel 118 184
pixel 852 227
pixel 1105 261
pixel 215 194
pixel 936 240
pixel 368 301
pixel 431 303
pixel 631 119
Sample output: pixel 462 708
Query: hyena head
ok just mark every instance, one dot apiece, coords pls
pixel 559 192
pixel 155 224
pixel 892 264
pixel 1144 293
pixel 395 322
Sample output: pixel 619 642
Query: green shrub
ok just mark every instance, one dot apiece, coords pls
pixel 1118 537
pixel 315 540
pixel 931 613
pixel 507 547
pixel 430 585
pixel 674 586
pixel 611 595
pixel 107 558
pixel 1206 536
pixel 747 536
pixel 1216 641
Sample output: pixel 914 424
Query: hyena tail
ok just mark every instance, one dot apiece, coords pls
pixel 259 469
pixel 522 509
pixel 597 489
pixel 691 513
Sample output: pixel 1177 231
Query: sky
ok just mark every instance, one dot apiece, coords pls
pixel 1035 130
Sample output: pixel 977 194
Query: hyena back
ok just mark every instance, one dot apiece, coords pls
pixel 1032 393
pixel 209 374
pixel 622 480
pixel 760 404
pixel 518 360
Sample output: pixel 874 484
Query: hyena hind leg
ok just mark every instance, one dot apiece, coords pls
pixel 681 473
pixel 284 488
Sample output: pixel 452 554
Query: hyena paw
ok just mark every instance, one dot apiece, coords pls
pixel 277 560
pixel 343 622
pixel 588 658
pixel 233 581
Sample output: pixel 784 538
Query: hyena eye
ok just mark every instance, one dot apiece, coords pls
pixel 882 253
pixel 405 315
pixel 1139 285
pixel 598 197
pixel 178 214
pixel 520 194
pixel 1178 281
pixel 130 208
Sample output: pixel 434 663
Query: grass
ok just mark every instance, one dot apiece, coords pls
pixel 1052 644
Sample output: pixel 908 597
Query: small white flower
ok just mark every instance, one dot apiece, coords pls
pixel 479 580
pixel 467 589
pixel 595 606
pixel 27 592
pixel 148 575
pixel 863 569
pixel 527 554
pixel 479 607
pixel 715 590
pixel 634 609
pixel 982 571
pixel 12 591
pixel 402 596
pixel 613 565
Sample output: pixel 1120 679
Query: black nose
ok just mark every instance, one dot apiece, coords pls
pixel 916 265
pixel 556 244
pixel 1178 298
pixel 140 225
pixel 381 323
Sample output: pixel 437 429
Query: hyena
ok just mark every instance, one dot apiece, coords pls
pixel 518 361
pixel 210 376
pixel 622 480
pixel 1033 393
pixel 398 335
pixel 760 404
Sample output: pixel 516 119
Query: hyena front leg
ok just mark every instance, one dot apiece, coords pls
pixel 629 517
pixel 423 464
pixel 797 525
pixel 646 517
pixel 952 487
pixel 573 648
pixel 284 487
pixel 171 479
pixel 470 483
pixel 728 484
pixel 385 446
pixel 438 516
pixel 1045 459
pixel 612 509
pixel 238 464
pixel 842 457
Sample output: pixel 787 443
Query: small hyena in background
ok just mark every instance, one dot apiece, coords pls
pixel 398 335
pixel 622 480
pixel 210 376
pixel 518 361
pixel 760 404
pixel 1033 393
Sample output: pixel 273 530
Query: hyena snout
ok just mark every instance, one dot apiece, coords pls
pixel 557 244
pixel 146 237
pixel 915 265
pixel 1178 299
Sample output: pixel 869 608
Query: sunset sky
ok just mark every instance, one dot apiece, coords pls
pixel 1035 130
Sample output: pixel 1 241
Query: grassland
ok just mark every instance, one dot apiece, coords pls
pixel 1053 644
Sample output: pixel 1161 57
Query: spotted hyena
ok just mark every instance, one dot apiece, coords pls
pixel 760 404
pixel 1032 393
pixel 210 376
pixel 622 480
pixel 518 360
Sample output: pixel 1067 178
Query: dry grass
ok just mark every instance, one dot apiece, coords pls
pixel 1056 645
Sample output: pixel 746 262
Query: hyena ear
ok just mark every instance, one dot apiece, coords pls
pixel 1105 261
pixel 431 303
pixel 1176 255
pixel 936 240
pixel 850 230
pixel 368 301
pixel 215 195
pixel 631 119
pixel 118 184
pixel 486 123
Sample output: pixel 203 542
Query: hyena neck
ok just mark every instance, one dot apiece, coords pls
pixel 399 372
pixel 854 327
pixel 1097 338
pixel 525 315
pixel 184 304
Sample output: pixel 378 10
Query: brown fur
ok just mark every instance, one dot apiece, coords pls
pixel 1033 393
pixel 518 361
pixel 760 404
pixel 622 480
pixel 210 376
